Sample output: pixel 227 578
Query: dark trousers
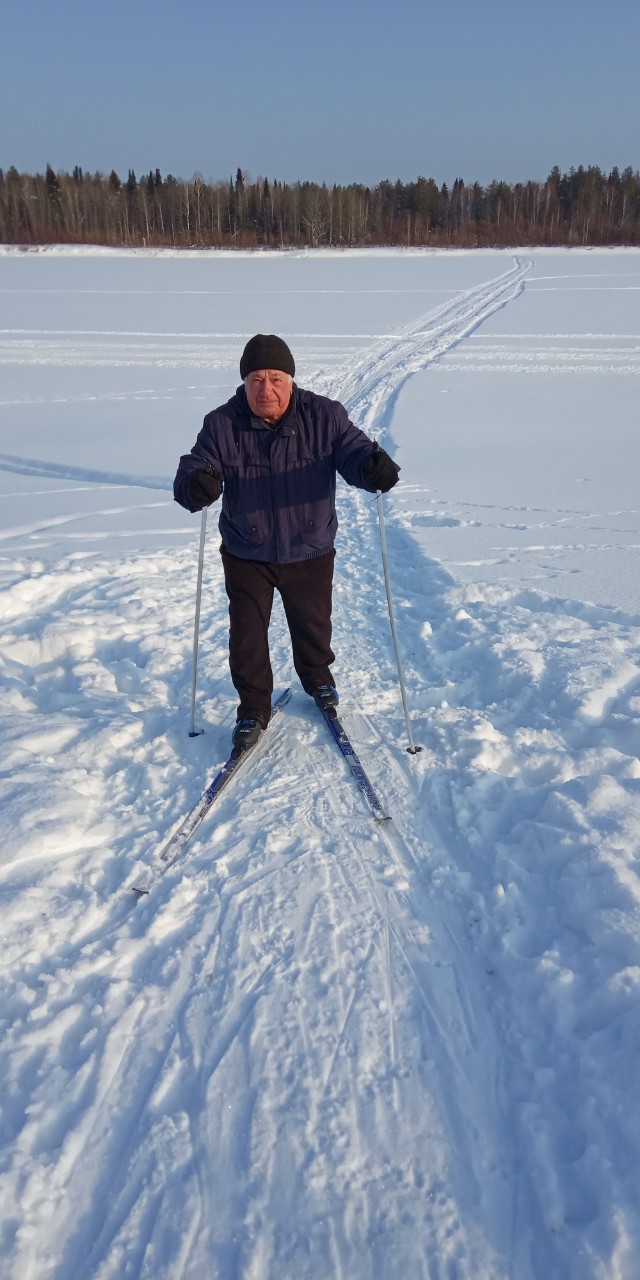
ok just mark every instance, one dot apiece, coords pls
pixel 305 588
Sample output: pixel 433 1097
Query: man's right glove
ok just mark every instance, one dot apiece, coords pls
pixel 203 488
pixel 379 470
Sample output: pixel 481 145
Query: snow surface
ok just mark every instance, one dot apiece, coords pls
pixel 321 1047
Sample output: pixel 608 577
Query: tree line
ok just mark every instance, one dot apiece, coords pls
pixel 582 207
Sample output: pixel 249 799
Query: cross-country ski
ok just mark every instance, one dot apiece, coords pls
pixel 174 847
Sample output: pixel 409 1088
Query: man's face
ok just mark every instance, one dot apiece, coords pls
pixel 268 392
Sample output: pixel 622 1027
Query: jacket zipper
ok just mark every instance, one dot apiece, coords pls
pixel 273 500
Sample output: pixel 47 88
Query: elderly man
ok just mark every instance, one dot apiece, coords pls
pixel 273 452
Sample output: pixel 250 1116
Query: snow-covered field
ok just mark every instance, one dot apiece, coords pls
pixel 323 1048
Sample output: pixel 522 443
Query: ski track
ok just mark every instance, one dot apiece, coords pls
pixel 301 1055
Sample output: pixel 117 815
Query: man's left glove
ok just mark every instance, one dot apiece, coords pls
pixel 379 470
pixel 203 488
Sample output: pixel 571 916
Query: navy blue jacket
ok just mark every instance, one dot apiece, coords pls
pixel 278 483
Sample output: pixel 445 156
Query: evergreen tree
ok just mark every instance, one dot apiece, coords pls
pixel 52 186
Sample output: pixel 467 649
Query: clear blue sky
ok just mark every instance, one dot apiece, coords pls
pixel 344 90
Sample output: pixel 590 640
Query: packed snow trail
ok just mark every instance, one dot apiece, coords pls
pixel 367 390
pixel 305 1054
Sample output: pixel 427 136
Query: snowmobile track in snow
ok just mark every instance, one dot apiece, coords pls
pixel 366 389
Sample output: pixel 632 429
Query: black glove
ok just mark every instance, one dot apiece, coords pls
pixel 379 470
pixel 203 488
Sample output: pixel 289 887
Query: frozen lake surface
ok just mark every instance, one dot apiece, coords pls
pixel 321 1047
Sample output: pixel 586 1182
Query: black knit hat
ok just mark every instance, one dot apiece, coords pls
pixel 266 351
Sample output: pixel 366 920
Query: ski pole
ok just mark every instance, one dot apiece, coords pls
pixel 412 748
pixel 193 732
